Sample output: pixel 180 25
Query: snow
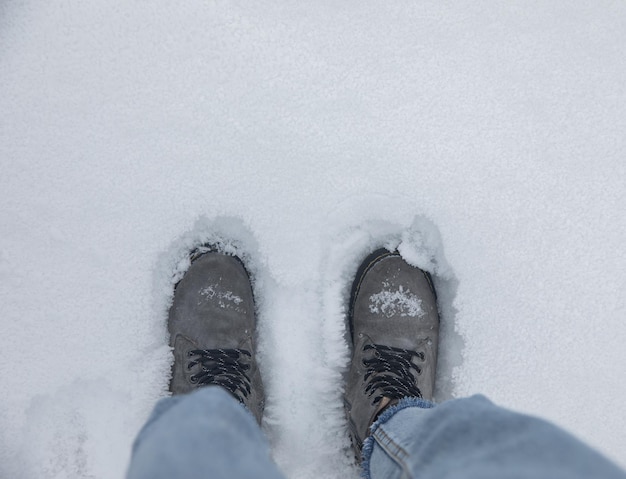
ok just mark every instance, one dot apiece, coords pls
pixel 399 302
pixel 226 299
pixel 484 141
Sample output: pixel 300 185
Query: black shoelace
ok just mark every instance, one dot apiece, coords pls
pixel 222 367
pixel 390 372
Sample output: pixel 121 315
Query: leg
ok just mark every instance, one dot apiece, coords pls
pixel 474 439
pixel 203 434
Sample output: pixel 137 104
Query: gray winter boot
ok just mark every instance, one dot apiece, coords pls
pixel 394 326
pixel 212 325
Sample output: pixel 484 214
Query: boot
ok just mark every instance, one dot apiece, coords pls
pixel 394 327
pixel 212 324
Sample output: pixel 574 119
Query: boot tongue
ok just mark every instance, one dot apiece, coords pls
pixel 384 403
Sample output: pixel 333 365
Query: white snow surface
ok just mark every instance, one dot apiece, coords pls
pixel 485 140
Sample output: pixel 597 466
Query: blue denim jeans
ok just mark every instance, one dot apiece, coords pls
pixel 209 434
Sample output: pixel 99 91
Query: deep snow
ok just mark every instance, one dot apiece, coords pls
pixel 484 140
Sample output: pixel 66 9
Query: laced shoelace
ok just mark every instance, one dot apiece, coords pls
pixel 389 372
pixel 222 367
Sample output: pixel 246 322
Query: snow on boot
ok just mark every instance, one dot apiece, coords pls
pixel 212 324
pixel 394 326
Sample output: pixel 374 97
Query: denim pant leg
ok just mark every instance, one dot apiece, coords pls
pixel 474 439
pixel 203 434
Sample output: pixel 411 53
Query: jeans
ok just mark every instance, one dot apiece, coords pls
pixel 209 434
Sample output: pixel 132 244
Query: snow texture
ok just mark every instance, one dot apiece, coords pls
pixel 484 141
pixel 400 302
pixel 225 299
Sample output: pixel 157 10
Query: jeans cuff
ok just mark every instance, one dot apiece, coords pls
pixel 386 415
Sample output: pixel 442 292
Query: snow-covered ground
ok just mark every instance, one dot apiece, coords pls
pixel 486 140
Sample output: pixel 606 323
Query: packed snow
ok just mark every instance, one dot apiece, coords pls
pixel 484 141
